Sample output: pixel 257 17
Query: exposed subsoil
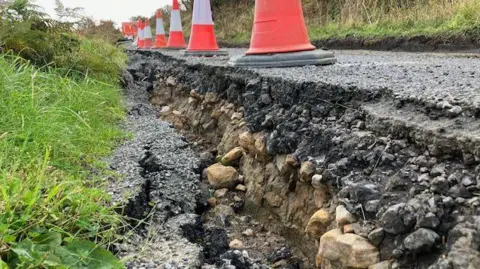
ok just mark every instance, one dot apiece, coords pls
pixel 457 44
pixel 161 185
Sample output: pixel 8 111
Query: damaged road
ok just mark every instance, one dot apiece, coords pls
pixel 371 163
pixel 160 190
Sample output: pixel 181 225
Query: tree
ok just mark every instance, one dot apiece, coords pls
pixel 74 14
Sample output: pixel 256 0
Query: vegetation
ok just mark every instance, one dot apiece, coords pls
pixel 60 107
pixel 357 18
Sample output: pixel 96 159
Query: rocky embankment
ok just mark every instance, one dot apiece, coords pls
pixel 352 176
pixel 158 186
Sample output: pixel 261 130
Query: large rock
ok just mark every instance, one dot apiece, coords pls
pixel 397 219
pixel 343 216
pixel 347 250
pixel 422 240
pixel 220 176
pixel 317 224
pixel 232 156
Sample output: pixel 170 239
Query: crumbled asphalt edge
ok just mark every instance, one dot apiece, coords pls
pixel 438 85
pixel 160 187
pixel 418 185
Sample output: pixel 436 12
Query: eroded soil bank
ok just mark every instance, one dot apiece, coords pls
pixel 344 175
pixel 176 219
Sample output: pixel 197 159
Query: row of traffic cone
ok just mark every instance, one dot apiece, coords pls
pixel 279 35
pixel 202 41
pixel 145 38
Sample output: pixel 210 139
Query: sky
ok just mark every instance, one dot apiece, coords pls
pixel 116 10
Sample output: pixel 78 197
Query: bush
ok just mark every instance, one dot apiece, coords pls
pixel 43 41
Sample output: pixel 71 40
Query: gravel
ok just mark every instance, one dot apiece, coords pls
pixel 437 79
pixel 158 182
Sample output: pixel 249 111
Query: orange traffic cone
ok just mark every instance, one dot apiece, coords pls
pixel 148 34
pixel 141 37
pixel 202 39
pixel 176 39
pixel 160 39
pixel 279 29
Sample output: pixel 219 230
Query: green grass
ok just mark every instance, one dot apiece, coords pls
pixel 463 20
pixel 53 130
pixel 436 18
pixel 96 58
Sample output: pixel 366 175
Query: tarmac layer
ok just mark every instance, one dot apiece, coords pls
pixel 427 79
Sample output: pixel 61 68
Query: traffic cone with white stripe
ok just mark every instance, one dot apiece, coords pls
pixel 141 36
pixel 148 34
pixel 160 40
pixel 202 38
pixel 176 40
pixel 280 38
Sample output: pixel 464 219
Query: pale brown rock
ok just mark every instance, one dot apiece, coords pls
pixel 195 95
pixel 241 187
pixel 237 116
pixel 317 224
pixel 236 244
pixel 381 265
pixel 289 166
pixel 292 161
pixel 212 202
pixel 232 155
pixel 165 110
pixel 248 232
pixel 343 216
pixel 327 242
pixel 247 142
pixel 273 199
pixel 350 250
pixel 216 114
pixel 220 176
pixel 220 193
pixel 223 210
pixel 348 229
pixel 307 170
pixel 176 113
pixel 192 101
pixel 261 148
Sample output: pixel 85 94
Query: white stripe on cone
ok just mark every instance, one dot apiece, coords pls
pixel 141 35
pixel 176 22
pixel 148 32
pixel 160 30
pixel 202 13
